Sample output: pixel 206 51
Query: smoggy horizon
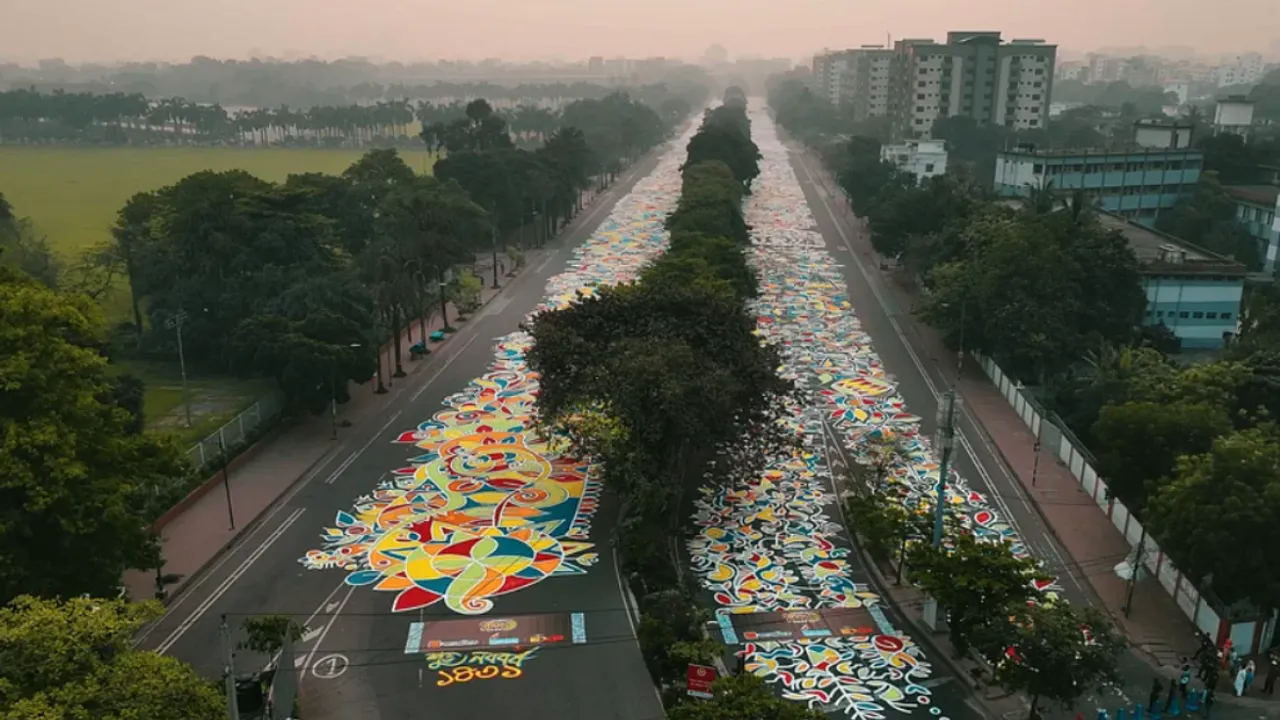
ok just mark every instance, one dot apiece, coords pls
pixel 81 31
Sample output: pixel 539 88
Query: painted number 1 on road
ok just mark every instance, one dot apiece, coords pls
pixel 330 666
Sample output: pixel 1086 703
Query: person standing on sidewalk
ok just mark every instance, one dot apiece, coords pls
pixel 1173 690
pixel 1184 680
pixel 1273 672
pixel 1155 695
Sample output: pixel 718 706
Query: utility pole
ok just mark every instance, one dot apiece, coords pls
pixel 1140 561
pixel 493 244
pixel 946 443
pixel 175 322
pixel 226 480
pixel 1035 464
pixel 229 670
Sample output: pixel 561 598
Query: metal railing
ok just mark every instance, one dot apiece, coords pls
pixel 232 434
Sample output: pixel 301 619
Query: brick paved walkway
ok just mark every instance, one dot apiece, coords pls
pixel 1155 624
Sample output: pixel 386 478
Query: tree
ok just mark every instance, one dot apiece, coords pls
pixel 1208 219
pixel 76 478
pixel 977 581
pixel 742 697
pixel 1085 291
pixel 1215 500
pixel 1055 652
pixel 75 660
pixel 725 136
pixel 267 634
pixel 1138 444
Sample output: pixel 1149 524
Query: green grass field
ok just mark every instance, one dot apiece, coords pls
pixel 73 195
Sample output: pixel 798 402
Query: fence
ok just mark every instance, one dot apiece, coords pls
pixel 1055 437
pixel 235 432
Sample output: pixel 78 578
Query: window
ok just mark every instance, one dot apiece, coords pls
pixel 1035 97
pixel 1037 168
pixel 1211 316
pixel 1197 316
pixel 920 96
pixel 1159 313
pixel 1034 122
pixel 1225 316
pixel 928 168
pixel 1039 71
pixel 1183 314
pixel 920 84
pixel 1037 84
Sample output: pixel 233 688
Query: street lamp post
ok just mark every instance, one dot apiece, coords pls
pixel 333 395
pixel 226 480
pixel 175 322
pixel 493 243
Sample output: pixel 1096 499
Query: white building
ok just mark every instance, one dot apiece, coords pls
pixel 922 158
pixel 1233 115
pixel 859 79
pixel 1246 69
pixel 976 75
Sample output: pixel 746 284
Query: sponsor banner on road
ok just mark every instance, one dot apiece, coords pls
pixel 493 632
pixel 796 625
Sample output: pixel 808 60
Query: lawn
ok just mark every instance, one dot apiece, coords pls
pixel 215 401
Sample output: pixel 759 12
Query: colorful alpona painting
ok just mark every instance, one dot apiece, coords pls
pixel 483 505
pixel 772 544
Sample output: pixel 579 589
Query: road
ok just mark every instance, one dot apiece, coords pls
pixel 921 384
pixel 354 654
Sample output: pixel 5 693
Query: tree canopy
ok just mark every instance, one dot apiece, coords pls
pixel 75 660
pixel 76 475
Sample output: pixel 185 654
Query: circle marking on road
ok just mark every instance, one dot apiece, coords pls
pixel 330 666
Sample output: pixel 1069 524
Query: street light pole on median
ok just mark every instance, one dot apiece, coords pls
pixel 946 443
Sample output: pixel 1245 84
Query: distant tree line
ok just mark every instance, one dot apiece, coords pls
pixel 28 115
pixel 309 83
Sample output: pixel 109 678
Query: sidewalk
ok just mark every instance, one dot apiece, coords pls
pixel 1155 626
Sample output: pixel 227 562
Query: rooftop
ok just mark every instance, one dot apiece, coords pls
pixel 1258 194
pixel 1162 253
pixel 1118 149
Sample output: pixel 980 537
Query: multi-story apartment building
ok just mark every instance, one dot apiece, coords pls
pixel 1246 69
pixel 857 79
pixel 973 74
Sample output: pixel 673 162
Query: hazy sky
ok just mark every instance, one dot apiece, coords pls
pixel 79 30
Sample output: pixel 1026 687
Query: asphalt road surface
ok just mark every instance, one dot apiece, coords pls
pixel 353 656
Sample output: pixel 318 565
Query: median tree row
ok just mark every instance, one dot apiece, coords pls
pixel 665 385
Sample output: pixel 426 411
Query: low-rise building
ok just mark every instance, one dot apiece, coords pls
pixel 1136 183
pixel 1191 291
pixel 922 158
pixel 1258 209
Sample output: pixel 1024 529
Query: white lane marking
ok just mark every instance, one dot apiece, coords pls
pixel 332 619
pixel 210 572
pixel 444 367
pixel 995 493
pixel 333 477
pixel 226 584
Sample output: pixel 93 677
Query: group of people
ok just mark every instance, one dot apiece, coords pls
pixel 1213 660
